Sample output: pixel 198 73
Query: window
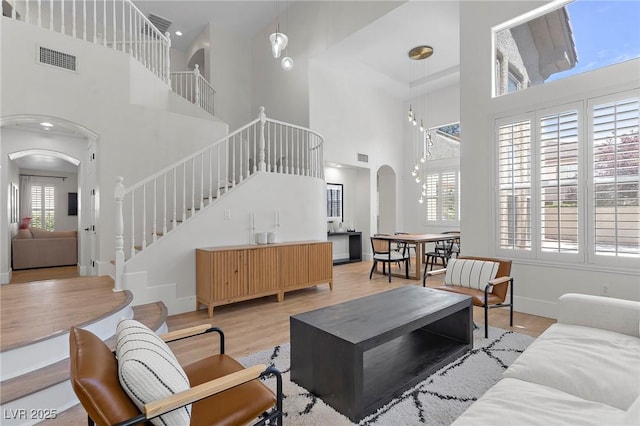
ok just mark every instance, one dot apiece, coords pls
pixel 334 201
pixel 544 44
pixel 442 196
pixel 615 178
pixel 43 206
pixel 543 169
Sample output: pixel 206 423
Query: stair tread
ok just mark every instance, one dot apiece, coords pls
pixel 153 315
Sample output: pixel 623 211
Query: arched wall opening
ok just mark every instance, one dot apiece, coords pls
pixel 387 200
pixel 47 143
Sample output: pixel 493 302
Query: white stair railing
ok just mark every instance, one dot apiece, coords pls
pixel 158 204
pixel 192 86
pixel 117 24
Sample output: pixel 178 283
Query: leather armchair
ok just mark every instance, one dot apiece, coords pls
pixel 223 392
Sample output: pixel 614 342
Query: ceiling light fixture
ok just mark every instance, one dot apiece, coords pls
pixel 421 137
pixel 279 42
pixel 178 33
pixel 46 124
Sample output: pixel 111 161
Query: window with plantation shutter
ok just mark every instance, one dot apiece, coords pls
pixel 43 206
pixel 514 185
pixel 442 196
pixel 559 158
pixel 577 198
pixel 616 158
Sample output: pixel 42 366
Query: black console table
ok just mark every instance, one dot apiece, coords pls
pixel 355 247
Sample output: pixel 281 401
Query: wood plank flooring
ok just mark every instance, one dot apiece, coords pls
pixel 41 309
pixel 42 274
pixel 263 323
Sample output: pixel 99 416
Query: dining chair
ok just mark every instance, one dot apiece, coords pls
pixel 442 252
pixel 405 248
pixel 382 252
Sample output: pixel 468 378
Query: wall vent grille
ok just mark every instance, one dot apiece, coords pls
pixel 161 24
pixel 57 59
pixel 363 157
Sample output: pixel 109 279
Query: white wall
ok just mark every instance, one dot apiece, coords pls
pixel 134 140
pixel 9 175
pixel 387 205
pixel 302 212
pixel 537 284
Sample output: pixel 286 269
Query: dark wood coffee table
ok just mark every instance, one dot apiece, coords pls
pixel 358 355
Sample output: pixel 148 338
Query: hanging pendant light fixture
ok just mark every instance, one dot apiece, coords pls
pixel 279 42
pixel 417 114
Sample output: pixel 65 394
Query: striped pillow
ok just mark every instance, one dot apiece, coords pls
pixel 470 273
pixel 148 370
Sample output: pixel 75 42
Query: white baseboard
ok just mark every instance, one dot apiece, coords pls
pixel 538 307
pixel 5 277
pixel 105 268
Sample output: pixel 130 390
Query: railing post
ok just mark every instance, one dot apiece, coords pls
pixel 261 163
pixel 196 73
pixel 119 195
pixel 168 66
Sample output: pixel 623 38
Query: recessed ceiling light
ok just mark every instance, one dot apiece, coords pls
pixel 46 124
pixel 178 33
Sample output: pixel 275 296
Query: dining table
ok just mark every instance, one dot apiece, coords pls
pixel 420 241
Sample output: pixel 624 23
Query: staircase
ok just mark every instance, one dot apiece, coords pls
pixel 150 209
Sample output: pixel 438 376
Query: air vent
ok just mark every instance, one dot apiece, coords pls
pixel 57 59
pixel 363 157
pixel 162 24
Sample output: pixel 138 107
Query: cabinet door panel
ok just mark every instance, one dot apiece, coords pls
pixel 320 262
pixel 262 269
pixel 294 265
pixel 229 274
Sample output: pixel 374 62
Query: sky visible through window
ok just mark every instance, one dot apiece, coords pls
pixel 605 33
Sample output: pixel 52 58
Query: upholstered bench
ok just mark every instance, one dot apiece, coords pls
pixel 487 280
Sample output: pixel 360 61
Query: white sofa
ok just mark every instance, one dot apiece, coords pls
pixel 584 370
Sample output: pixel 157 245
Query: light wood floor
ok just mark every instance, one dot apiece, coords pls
pixel 41 309
pixel 263 323
pixel 41 274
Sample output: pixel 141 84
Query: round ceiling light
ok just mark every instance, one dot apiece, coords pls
pixel 420 52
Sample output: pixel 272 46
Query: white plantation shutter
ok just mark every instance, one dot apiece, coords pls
pixel 442 196
pixel 559 203
pixel 43 206
pixel 514 185
pixel 616 158
pixel 432 196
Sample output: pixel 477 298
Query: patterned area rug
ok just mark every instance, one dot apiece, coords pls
pixel 438 400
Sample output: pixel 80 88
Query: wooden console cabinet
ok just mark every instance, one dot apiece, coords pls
pixel 234 273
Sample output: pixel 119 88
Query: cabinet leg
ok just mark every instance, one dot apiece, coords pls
pixel 280 296
pixel 210 310
pixel 331 285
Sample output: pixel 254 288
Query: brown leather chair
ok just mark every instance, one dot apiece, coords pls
pixel 223 392
pixel 495 291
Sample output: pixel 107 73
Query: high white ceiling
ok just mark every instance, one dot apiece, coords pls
pixel 376 54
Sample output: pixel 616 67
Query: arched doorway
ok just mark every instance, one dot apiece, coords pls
pixel 387 201
pixel 51 140
pixel 198 58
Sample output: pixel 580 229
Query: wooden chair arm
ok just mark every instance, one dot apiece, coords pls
pixel 204 390
pixel 185 332
pixel 499 280
pixel 437 271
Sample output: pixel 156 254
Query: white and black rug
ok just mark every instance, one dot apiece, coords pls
pixel 438 400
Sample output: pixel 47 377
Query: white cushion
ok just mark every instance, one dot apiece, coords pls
pixel 590 363
pixel 148 370
pixel 470 273
pixel 395 256
pixel 516 402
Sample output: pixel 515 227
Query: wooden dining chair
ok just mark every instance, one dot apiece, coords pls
pixel 382 252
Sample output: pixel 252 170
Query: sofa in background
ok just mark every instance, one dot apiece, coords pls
pixel 584 370
pixel 38 248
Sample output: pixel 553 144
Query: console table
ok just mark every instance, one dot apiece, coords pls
pixel 355 246
pixel 357 355
pixel 234 273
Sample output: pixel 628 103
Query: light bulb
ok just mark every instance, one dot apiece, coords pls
pixel 278 43
pixel 422 160
pixel 424 186
pixel 421 200
pixel 410 116
pixel 414 173
pixel 421 126
pixel 414 122
pixel 416 167
pixel 424 193
pixel 429 154
pixel 417 179
pixel 287 63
